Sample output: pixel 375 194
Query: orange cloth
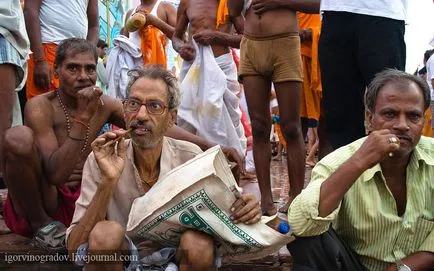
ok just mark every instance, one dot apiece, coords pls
pixel 280 135
pixel 50 53
pixel 427 129
pixel 312 89
pixel 222 13
pixel 153 45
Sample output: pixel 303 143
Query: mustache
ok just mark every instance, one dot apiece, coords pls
pixel 404 136
pixel 140 124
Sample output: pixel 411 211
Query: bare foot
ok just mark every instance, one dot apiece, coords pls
pixel 270 211
pixel 284 208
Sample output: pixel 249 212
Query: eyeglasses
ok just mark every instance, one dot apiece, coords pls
pixel 154 107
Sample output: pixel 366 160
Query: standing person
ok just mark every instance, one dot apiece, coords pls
pixel 49 22
pixel 120 171
pixel 14 48
pixel 210 105
pixel 430 80
pixel 369 204
pixel 152 38
pixel 358 39
pixel 270 52
pixel 101 72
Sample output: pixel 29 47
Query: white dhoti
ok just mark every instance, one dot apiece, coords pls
pixel 210 103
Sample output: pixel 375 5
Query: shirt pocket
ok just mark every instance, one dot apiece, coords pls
pixel 423 228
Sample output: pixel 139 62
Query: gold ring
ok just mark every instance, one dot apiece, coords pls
pixel 393 140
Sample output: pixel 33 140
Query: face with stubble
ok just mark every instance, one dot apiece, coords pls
pixel 146 111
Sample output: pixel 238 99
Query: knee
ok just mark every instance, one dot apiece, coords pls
pixel 106 235
pixel 291 130
pixel 196 249
pixel 261 127
pixel 18 142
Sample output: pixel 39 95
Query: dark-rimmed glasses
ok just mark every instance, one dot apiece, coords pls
pixel 154 107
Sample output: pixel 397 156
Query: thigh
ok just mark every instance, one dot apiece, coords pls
pixel 381 45
pixel 257 91
pixel 287 59
pixel 341 78
pixel 288 96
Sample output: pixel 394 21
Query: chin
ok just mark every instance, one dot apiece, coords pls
pixel 145 144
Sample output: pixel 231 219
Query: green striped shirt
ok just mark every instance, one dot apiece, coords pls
pixel 367 217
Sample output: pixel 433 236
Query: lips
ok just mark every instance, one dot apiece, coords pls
pixel 404 138
pixel 142 130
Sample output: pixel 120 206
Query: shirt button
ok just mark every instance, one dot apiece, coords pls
pixel 406 224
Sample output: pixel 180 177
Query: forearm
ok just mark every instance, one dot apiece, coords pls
pixel 167 29
pixel 229 40
pixel 418 261
pixel 235 7
pixel 181 134
pixel 336 186
pixel 33 28
pixel 96 212
pixel 305 6
pixel 93 34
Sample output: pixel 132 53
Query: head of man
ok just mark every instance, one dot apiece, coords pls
pixel 397 101
pixel 75 65
pixel 151 106
pixel 101 48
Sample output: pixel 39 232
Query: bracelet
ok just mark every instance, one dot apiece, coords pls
pixel 74 138
pixel 80 122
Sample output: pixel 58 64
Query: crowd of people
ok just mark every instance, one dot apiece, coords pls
pixel 99 131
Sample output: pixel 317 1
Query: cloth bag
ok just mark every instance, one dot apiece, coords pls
pixel 198 195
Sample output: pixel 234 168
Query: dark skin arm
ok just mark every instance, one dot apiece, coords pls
pixel 185 50
pixel 42 71
pixel 375 149
pixel 418 261
pixel 93 23
pixel 235 7
pixel 210 37
pixel 111 165
pixel 305 6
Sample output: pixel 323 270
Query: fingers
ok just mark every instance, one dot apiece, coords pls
pixel 232 155
pixel 107 139
pixel 246 210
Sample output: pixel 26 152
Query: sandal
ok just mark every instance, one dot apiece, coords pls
pixel 50 238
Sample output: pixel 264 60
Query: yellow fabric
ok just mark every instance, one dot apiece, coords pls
pixel 312 89
pixel 222 13
pixel 153 45
pixel 366 219
pixel 427 130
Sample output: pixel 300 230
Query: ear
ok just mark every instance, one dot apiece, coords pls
pixel 56 71
pixel 369 117
pixel 172 115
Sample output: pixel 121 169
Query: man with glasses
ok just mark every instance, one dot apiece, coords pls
pixel 43 160
pixel 120 170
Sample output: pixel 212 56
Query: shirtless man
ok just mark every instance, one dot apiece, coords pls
pixel 208 26
pixel 270 52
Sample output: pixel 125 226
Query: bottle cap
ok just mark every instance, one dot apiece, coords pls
pixel 283 227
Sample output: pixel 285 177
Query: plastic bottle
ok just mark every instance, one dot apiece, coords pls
pixel 279 225
pixel 135 22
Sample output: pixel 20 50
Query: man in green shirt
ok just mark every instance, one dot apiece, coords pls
pixel 377 192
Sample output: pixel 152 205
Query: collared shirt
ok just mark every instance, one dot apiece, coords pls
pixel 174 153
pixel 366 218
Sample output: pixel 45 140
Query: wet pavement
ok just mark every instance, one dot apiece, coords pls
pixel 280 261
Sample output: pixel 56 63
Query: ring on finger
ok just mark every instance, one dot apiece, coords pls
pixel 393 140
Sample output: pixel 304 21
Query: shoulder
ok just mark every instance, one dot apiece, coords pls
pixel 40 106
pixel 181 146
pixel 425 150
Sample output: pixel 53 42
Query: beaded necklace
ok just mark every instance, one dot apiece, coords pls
pixel 68 124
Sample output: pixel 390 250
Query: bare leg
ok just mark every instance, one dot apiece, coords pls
pixel 7 91
pixel 31 197
pixel 195 252
pixel 288 97
pixel 257 90
pixel 107 238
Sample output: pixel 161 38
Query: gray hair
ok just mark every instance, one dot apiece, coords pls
pixel 153 71
pixel 399 79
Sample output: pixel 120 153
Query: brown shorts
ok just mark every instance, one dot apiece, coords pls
pixel 277 57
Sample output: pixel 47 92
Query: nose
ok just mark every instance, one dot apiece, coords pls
pixel 83 75
pixel 142 113
pixel 402 123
